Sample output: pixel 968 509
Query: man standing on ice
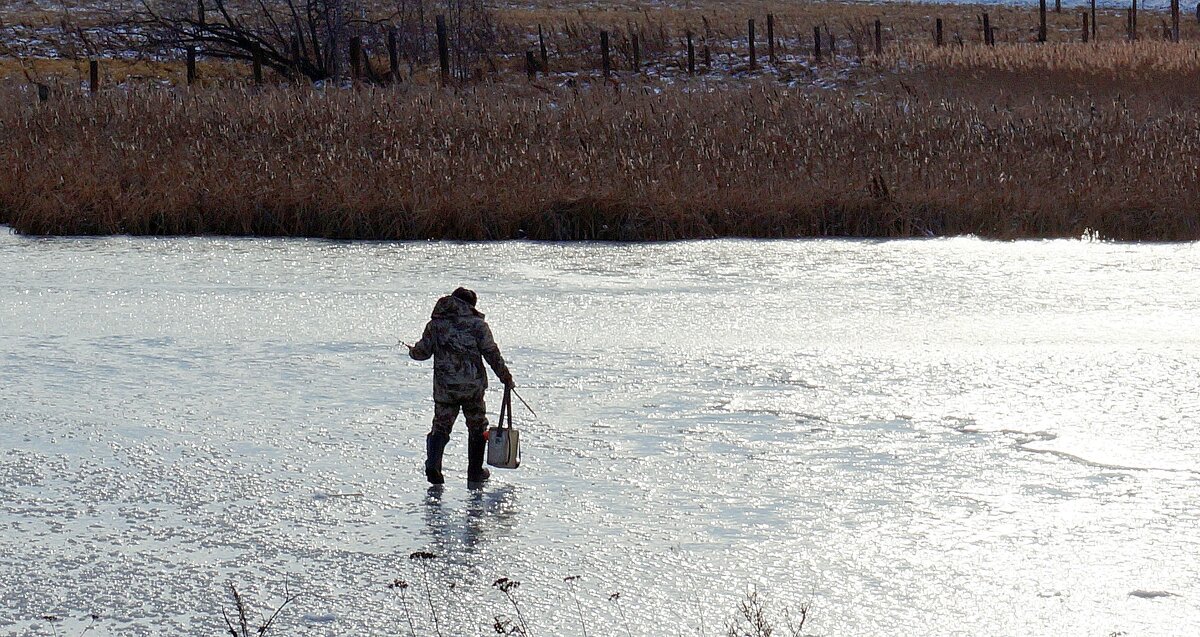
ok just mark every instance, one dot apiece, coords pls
pixel 459 340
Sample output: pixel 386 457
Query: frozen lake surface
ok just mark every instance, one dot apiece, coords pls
pixel 942 437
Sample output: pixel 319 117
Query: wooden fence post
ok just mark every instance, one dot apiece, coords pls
pixel 1085 27
pixel 542 50
pixel 878 38
pixel 1134 20
pixel 637 54
pixel 93 76
pixel 817 44
pixel 355 58
pixel 691 50
pixel 1129 24
pixel 771 37
pixel 258 74
pixel 1175 21
pixel 443 48
pixel 1058 6
pixel 605 60
pixel 191 65
pixel 530 65
pixel 1041 37
pixel 937 38
pixel 393 54
pixel 987 30
pixel 1093 20
pixel 753 62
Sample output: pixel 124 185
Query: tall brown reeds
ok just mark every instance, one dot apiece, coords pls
pixel 1148 60
pixel 632 162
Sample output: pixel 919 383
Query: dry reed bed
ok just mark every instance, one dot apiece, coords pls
pixel 496 161
pixel 1113 60
pixel 1150 77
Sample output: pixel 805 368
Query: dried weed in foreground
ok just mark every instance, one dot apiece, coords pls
pixel 243 626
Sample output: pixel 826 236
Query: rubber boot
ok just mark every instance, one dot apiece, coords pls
pixel 435 445
pixel 476 447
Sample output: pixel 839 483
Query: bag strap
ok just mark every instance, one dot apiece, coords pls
pixel 506 408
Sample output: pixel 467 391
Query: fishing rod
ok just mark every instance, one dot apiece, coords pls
pixel 514 391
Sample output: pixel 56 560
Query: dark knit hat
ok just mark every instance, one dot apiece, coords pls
pixel 465 295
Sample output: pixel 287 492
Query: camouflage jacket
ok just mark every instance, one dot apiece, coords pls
pixel 459 339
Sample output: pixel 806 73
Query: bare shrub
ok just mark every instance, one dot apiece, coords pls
pixel 240 625
pixel 313 39
pixel 753 619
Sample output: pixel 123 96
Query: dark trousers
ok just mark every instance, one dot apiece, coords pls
pixel 473 409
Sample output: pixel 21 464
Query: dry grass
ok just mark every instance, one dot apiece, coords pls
pixel 1153 59
pixel 572 29
pixel 572 34
pixel 1150 76
pixel 630 162
pixel 1017 140
pixel 74 72
pixel 901 22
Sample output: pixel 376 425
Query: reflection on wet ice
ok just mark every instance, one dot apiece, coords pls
pixel 487 513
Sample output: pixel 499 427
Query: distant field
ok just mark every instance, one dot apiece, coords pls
pixel 47 40
pixel 1019 139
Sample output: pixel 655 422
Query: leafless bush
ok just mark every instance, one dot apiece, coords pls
pixel 314 39
pixel 753 620
pixel 240 625
pixel 296 38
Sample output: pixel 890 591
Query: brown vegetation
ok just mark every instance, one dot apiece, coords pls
pixel 1016 140
pixel 628 162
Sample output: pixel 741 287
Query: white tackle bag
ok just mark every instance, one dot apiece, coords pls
pixel 504 442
